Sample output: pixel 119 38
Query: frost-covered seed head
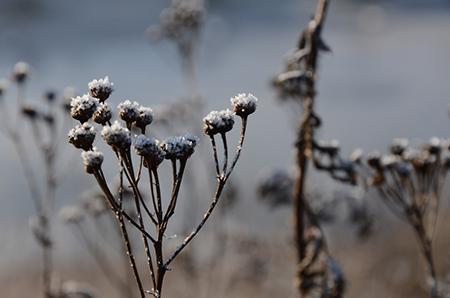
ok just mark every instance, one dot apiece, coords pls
pixel 101 88
pixel 218 122
pixel 20 72
pixel 117 136
pixel 71 214
pixel 390 161
pixel 30 112
pixel 399 145
pixel 180 147
pixel 244 104
pixel 82 136
pixel 150 149
pixel 92 160
pixel 128 111
pixel 435 145
pixel 83 107
pixel 103 114
pixel 374 160
pixel 145 117
pixel 356 155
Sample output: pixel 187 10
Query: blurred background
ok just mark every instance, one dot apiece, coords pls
pixel 387 76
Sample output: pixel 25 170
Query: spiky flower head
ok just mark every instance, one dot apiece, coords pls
pixel 150 149
pixel 117 136
pixel 71 214
pixel 145 117
pixel 92 160
pixel 101 88
pixel 20 72
pixel 180 147
pixel 103 114
pixel 83 107
pixel 128 111
pixel 244 104
pixel 218 122
pixel 82 136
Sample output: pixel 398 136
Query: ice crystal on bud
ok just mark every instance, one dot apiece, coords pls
pixel 82 136
pixel 244 104
pixel 92 160
pixel 150 149
pixel 20 72
pixel 103 114
pixel 218 122
pixel 117 136
pixel 83 107
pixel 71 214
pixel 180 147
pixel 128 111
pixel 145 117
pixel 101 88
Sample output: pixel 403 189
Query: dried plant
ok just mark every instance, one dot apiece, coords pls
pixel 152 154
pixel 409 180
pixel 317 273
pixel 45 125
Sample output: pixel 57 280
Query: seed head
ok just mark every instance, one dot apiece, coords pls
pixel 128 111
pixel 374 160
pixel 356 155
pixel 21 72
pixel 92 160
pixel 244 104
pixel 101 88
pixel 150 149
pixel 180 147
pixel 30 112
pixel 145 117
pixel 218 122
pixel 399 145
pixel 50 96
pixel 82 136
pixel 117 136
pixel 103 114
pixel 83 107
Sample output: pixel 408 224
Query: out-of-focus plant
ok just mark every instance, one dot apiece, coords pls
pixel 35 131
pixel 151 153
pixel 409 180
pixel 318 275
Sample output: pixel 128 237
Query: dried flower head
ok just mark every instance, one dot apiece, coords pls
pixel 374 160
pixel 30 112
pixel 71 214
pixel 128 111
pixel 20 72
pixel 150 149
pixel 103 114
pixel 356 156
pixel 117 136
pixel 83 107
pixel 82 136
pixel 180 147
pixel 50 96
pixel 399 145
pixel 244 104
pixel 92 160
pixel 218 122
pixel 145 117
pixel 101 88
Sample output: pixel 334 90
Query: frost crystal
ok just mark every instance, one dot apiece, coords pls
pixel 83 107
pixel 101 88
pixel 218 122
pixel 145 117
pixel 92 160
pixel 71 214
pixel 128 111
pixel 103 114
pixel 150 149
pixel 180 147
pixel 82 136
pixel 117 136
pixel 244 104
pixel 21 71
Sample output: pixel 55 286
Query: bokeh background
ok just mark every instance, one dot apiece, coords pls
pixel 387 76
